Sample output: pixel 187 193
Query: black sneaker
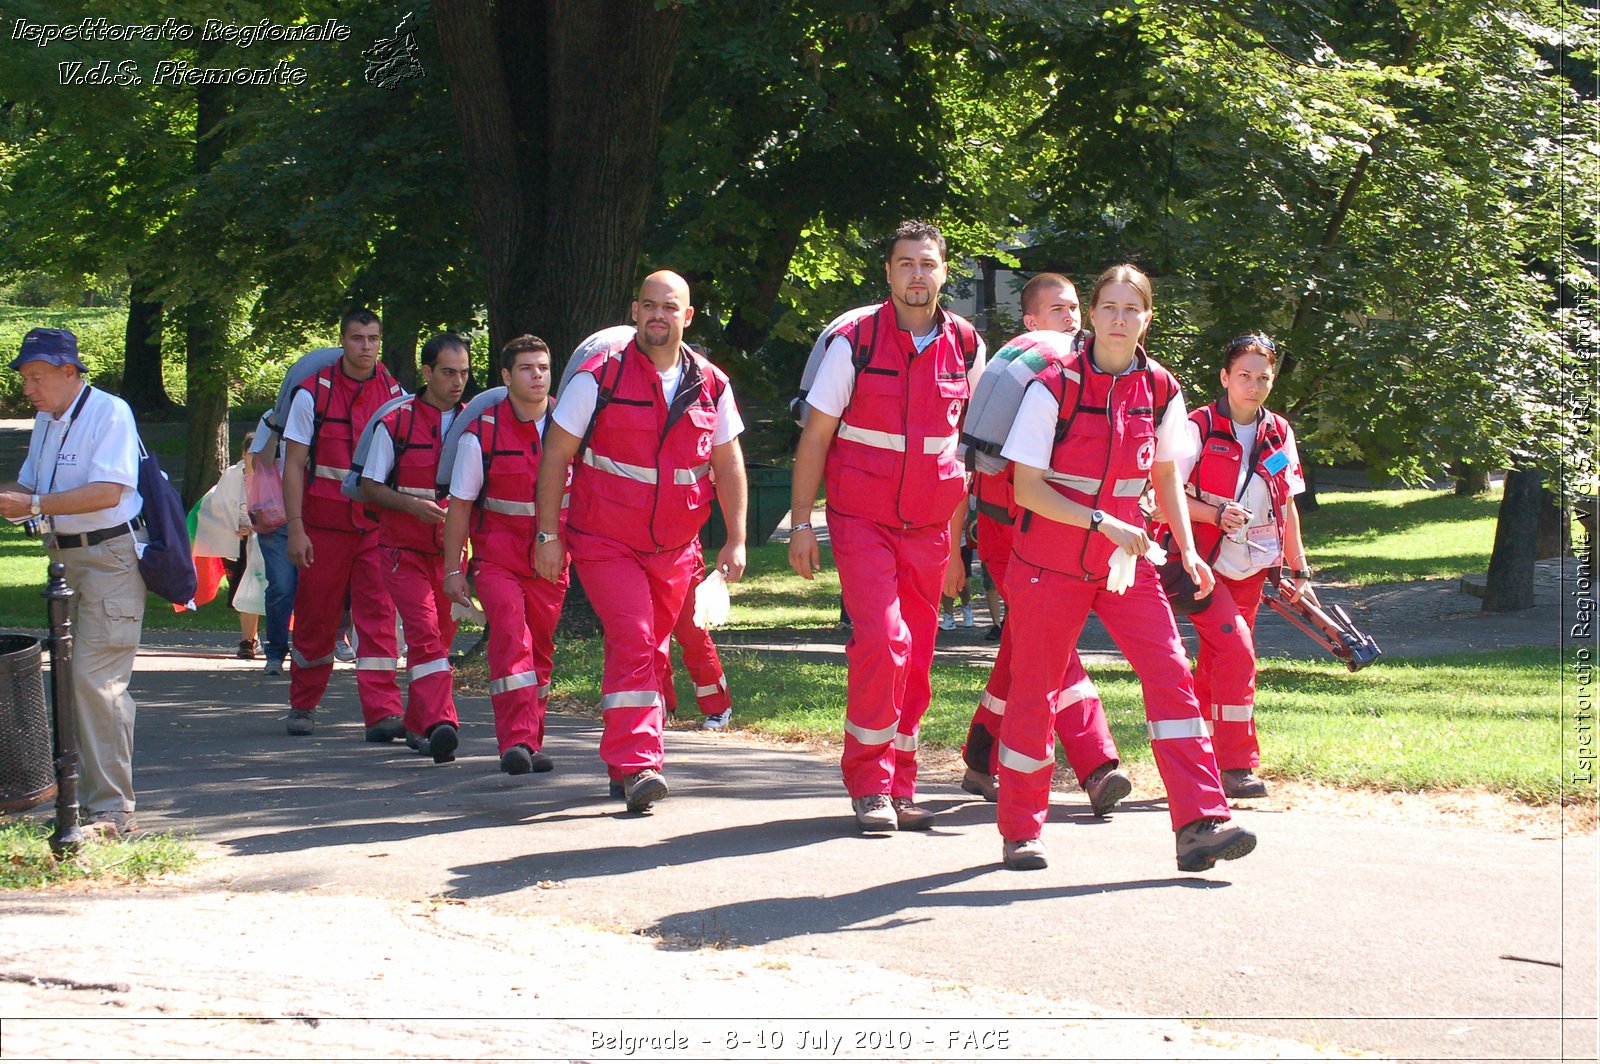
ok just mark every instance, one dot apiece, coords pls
pixel 247 649
pixel 442 742
pixel 386 730
pixel 992 635
pixel 542 762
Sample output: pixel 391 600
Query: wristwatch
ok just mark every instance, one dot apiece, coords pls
pixel 35 507
pixel 1095 519
pixel 541 538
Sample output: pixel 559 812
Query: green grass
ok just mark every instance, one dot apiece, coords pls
pixel 1490 720
pixel 1379 537
pixel 26 862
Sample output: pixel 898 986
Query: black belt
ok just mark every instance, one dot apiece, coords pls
pixel 995 512
pixel 99 535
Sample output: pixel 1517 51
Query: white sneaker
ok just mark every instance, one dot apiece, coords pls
pixel 966 616
pixel 947 621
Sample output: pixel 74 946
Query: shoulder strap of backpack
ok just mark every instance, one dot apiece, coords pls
pixel 605 384
pixel 402 441
pixel 1073 389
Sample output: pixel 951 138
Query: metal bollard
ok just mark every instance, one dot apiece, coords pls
pixel 68 836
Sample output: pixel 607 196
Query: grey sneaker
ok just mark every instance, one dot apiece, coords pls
pixel 875 813
pixel 1208 840
pixel 909 816
pixel 717 721
pixel 300 722
pixel 1243 783
pixel 1105 787
pixel 643 789
pixel 386 730
pixel 273 667
pixel 343 651
pixel 1024 855
pixel 982 784
pixel 110 825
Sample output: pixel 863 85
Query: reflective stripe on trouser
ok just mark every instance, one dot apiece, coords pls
pixel 637 597
pixel 700 659
pixel 1140 621
pixel 890 579
pixel 344 563
pixel 107 614
pixel 522 612
pixel 1080 718
pixel 416 583
pixel 1225 669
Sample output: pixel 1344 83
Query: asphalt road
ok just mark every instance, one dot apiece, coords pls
pixel 1410 939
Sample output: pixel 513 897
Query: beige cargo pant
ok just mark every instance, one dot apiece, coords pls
pixel 107 612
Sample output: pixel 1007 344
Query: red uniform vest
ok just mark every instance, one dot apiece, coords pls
pixel 343 406
pixel 1216 472
pixel 414 428
pixel 507 515
pixel 1104 450
pixel 997 496
pixel 894 458
pixel 644 479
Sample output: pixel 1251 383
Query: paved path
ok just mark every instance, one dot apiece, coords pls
pixel 1397 938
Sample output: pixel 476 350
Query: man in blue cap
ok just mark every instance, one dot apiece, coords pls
pixel 80 482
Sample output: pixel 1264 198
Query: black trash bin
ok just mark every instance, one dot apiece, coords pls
pixel 768 503
pixel 27 774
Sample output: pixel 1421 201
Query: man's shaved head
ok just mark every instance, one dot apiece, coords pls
pixel 662 312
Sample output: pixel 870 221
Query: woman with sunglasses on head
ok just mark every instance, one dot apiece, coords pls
pixel 1241 479
pixel 1090 434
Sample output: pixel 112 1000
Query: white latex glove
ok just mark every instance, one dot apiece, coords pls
pixel 711 604
pixel 1123 564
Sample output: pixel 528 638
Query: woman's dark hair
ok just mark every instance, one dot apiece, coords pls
pixel 1250 344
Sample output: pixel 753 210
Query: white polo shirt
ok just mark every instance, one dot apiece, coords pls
pixel 100 446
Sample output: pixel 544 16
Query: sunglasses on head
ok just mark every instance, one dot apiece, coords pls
pixel 1259 339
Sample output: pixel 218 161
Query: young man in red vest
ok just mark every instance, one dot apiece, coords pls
pixel 1050 304
pixel 334 541
pixel 649 423
pixel 492 497
pixel 401 477
pixel 886 413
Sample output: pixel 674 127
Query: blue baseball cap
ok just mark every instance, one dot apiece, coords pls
pixel 55 346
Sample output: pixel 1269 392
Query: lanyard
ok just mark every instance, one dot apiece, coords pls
pixel 72 419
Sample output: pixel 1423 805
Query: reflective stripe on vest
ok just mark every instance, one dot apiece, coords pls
pixel 431 494
pixel 511 509
pixel 643 474
pixel 330 472
pixel 1022 763
pixel 868 737
pixel 515 682
pixel 1183 728
pixel 890 441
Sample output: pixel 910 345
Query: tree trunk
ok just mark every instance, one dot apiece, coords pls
pixel 1306 501
pixel 400 329
pixel 1554 539
pixel 751 320
pixel 1470 479
pixel 206 452
pixel 559 107
pixel 206 334
pixel 142 386
pixel 1509 585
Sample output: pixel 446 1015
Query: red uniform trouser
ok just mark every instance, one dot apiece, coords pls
pixel 416 584
pixel 890 579
pixel 1051 610
pixel 637 597
pixel 522 612
pixel 1080 716
pixel 341 562
pixel 699 658
pixel 1225 669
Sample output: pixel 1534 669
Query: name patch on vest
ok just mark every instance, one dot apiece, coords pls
pixel 1217 448
pixel 1275 463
